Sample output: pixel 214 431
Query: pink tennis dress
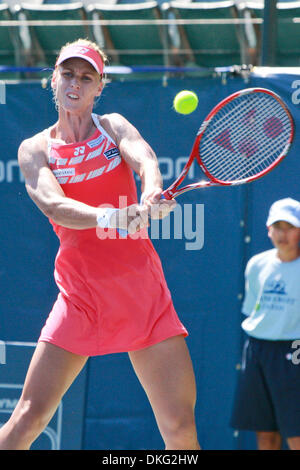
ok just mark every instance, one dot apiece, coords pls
pixel 113 295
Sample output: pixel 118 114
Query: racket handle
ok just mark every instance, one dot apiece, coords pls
pixel 166 195
pixel 123 232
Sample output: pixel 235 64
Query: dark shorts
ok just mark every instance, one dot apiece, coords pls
pixel 268 391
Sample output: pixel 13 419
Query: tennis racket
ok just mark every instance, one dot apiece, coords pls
pixel 242 139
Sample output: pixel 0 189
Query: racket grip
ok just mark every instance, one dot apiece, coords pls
pixel 166 195
pixel 123 232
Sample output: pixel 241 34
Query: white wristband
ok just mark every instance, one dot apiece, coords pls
pixel 104 215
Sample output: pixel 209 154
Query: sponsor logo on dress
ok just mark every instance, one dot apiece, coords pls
pixel 64 172
pixel 111 153
pixel 79 150
pixel 95 142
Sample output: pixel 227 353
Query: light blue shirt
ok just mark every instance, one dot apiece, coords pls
pixel 272 300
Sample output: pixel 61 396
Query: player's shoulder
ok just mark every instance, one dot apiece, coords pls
pixel 260 259
pixel 109 117
pixel 116 125
pixel 34 143
pixel 31 147
pixel 115 120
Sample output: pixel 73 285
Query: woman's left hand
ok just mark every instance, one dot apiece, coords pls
pixel 158 208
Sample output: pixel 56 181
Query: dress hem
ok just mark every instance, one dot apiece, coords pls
pixel 99 352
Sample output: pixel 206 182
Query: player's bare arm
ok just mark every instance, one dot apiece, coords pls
pixel 142 159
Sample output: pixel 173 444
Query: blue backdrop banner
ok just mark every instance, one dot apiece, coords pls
pixel 203 263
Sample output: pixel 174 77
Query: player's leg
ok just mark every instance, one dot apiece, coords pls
pixel 51 372
pixel 268 440
pixel 166 374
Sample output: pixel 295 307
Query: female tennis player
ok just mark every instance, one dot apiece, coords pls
pixel 112 293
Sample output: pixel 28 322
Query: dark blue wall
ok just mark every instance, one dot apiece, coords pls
pixel 207 284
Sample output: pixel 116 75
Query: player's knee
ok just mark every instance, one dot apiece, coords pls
pixel 180 431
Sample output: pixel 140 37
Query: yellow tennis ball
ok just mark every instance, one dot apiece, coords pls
pixel 185 102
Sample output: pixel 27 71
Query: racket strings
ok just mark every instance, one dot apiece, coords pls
pixel 256 164
pixel 245 137
pixel 242 165
pixel 248 164
pixel 247 146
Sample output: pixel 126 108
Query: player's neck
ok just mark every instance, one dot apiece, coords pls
pixel 287 256
pixel 72 128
